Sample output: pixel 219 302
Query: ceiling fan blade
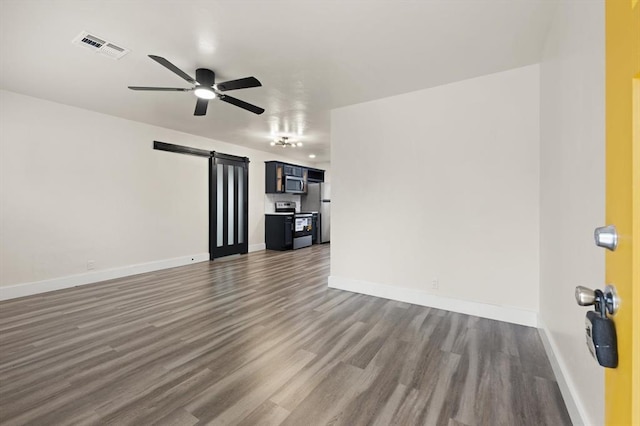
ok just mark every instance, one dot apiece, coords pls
pixel 242 104
pixel 160 89
pixel 201 107
pixel 162 61
pixel 242 83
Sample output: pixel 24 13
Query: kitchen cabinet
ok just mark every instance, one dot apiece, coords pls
pixel 286 231
pixel 274 177
pixel 289 178
pixel 315 175
pixel 316 230
pixel 278 231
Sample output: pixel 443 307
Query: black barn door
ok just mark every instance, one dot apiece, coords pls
pixel 229 205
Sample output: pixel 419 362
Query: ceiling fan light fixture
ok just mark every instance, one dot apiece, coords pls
pixel 205 87
pixel 204 92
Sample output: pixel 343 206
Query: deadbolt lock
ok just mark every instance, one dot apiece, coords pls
pixel 606 237
pixel 607 298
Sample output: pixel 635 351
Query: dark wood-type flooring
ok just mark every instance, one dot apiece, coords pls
pixel 261 340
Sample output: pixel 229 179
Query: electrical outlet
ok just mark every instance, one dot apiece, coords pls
pixel 91 264
pixel 434 284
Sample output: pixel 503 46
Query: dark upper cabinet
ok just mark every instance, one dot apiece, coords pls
pixel 315 175
pixel 274 177
pixel 289 178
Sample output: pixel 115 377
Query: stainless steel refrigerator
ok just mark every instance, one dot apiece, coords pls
pixel 318 199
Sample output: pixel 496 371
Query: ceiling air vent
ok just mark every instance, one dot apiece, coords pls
pixel 100 45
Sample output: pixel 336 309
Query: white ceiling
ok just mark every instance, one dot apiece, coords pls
pixel 311 56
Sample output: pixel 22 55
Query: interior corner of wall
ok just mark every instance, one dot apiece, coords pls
pixel 572 400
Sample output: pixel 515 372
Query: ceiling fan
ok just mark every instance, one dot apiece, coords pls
pixel 205 87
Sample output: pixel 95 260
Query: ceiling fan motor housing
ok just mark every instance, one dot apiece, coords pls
pixel 205 77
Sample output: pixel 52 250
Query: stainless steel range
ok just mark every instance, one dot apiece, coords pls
pixel 302 224
pixel 285 206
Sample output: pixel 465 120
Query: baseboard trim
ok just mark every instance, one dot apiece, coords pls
pixel 37 287
pixel 574 406
pixel 257 247
pixel 418 297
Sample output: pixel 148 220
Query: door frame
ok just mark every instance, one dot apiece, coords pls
pixel 622 47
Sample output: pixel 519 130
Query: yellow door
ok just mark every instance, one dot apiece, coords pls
pixel 622 384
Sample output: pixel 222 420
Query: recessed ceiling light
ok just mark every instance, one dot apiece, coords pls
pixel 312 156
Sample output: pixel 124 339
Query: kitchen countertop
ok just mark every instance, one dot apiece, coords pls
pixel 287 213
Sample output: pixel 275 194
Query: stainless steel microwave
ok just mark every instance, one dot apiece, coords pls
pixel 294 185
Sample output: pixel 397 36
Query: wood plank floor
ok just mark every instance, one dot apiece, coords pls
pixel 261 340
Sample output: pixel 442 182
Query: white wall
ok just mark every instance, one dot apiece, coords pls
pixel 271 199
pixel 441 184
pixel 76 185
pixel 572 192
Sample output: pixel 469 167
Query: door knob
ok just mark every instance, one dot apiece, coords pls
pixel 606 237
pixel 585 296
pixel 608 298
